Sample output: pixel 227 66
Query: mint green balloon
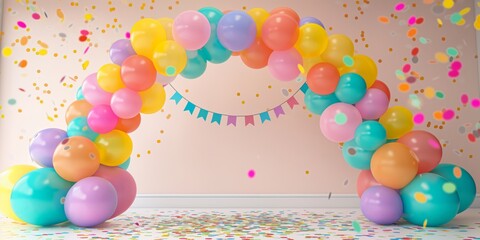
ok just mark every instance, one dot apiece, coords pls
pixel 356 156
pixel 37 198
pixel 79 127
pixel 464 183
pixel 213 51
pixel 430 199
pixel 196 65
pixel 317 103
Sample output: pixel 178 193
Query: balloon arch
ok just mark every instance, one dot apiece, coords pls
pixel 84 178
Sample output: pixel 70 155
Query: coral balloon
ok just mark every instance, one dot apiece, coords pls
pixel 145 35
pixel 381 205
pixel 191 30
pixel 365 180
pixel 102 119
pixel 115 147
pixel 312 40
pixel 167 24
pixel 93 93
pixel 397 121
pixel 126 103
pixel 373 104
pixel 383 87
pixel 426 147
pixel 339 121
pixel 287 11
pixel 129 125
pixel 236 31
pixel 153 99
pixel 169 58
pixel 394 165
pixel 323 78
pixel 109 78
pixel 79 108
pixel 259 15
pixel 363 66
pixel 257 55
pixel 338 47
pixel 76 158
pixel 8 179
pixel 280 32
pixel 43 145
pixel 121 50
pixel 138 73
pixel 283 65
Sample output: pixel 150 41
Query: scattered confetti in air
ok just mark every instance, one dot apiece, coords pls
pixel 448 4
pixel 251 173
pixel 400 7
pixel 85 65
pixel 60 15
pixel 7 51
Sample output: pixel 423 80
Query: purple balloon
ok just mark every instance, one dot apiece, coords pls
pixel 381 205
pixel 121 50
pixel 306 20
pixel 236 31
pixel 373 104
pixel 164 80
pixel 43 145
pixel 91 201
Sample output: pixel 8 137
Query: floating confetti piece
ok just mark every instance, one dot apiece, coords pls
pixel 423 40
pixel 400 7
pixel 301 68
pixel 406 68
pixel 464 11
pixel 35 16
pixel 412 20
pixel 448 4
pixel 11 101
pixel 438 115
pixel 348 61
pixel 441 57
pixel 448 114
pixel 42 44
pixel 127 35
pixel 400 75
pixel 418 118
pixel 440 95
pixel 42 52
pixel 456 65
pixel 476 24
pixel 23 63
pixel 82 38
pixel 49 118
pixel 86 50
pixel 356 226
pixel 404 87
pixel 383 19
pixel 415 101
pixel 411 32
pixel 425 223
pixel 471 137
pixel 440 22
pixel 85 65
pixel 453 73
pixel 455 18
pixel 21 24
pixel 6 51
pixel 475 103
pixel 419 21
pixel 60 14
pixel 251 173
pixel 429 92
pixel 88 17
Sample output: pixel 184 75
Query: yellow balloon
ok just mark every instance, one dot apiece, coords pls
pixel 310 62
pixel 109 78
pixel 259 15
pixel 153 99
pixel 170 58
pixel 338 47
pixel 363 66
pixel 8 179
pixel 167 24
pixel 312 40
pixel 145 35
pixel 115 147
pixel 397 121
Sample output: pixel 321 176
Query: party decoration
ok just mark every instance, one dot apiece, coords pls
pixel 8 179
pixel 259 15
pixel 153 99
pixel 93 93
pixel 138 73
pixel 356 156
pixel 370 135
pixel 426 147
pixel 339 46
pixel 257 55
pixel 317 103
pixel 365 180
pixel 363 66
pixel 283 65
pixel 339 121
pixel 78 108
pixel 43 145
pixel 323 78
pixel 191 30
pixel 109 78
pixel 312 40
pixel 169 58
pixel 114 147
pixel 280 32
pixel 128 125
pixel 196 66
pixel 236 30
pixel 102 119
pixel 145 35
pixel 351 88
pixel 373 104
pixel 213 51
pixel 121 50
pixel 381 205
pixel 79 127
pixel 126 103
pixel 397 121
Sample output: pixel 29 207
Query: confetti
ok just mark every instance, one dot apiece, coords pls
pixel 383 19
pixel 448 4
pixel 36 16
pixel 301 68
pixel 411 32
pixel 22 63
pixel 476 24
pixel 356 226
pixel 60 14
pixel 441 57
pixel 251 173
pixel 448 114
pixel 6 51
pixel 12 101
pixel 464 11
pixel 475 103
pixel 440 22
pixel 400 7
pixel 85 65
pixel 418 118
pixel 21 24
pixel 88 17
pixel 455 18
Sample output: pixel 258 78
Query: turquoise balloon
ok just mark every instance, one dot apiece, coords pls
pixel 351 88
pixel 79 127
pixel 125 165
pixel 430 199
pixel 356 156
pixel 79 95
pixel 370 135
pixel 196 65
pixel 318 103
pixel 466 188
pixel 213 51
pixel 37 198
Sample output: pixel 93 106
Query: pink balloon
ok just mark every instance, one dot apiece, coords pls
pixel 364 181
pixel 124 185
pixel 373 105
pixel 191 29
pixel 427 148
pixel 101 119
pixel 339 121
pixel 93 93
pixel 164 80
pixel 126 103
pixel 283 65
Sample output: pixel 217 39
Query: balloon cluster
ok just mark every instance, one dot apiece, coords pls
pixel 84 178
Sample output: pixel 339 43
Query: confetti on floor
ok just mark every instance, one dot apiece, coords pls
pixel 246 224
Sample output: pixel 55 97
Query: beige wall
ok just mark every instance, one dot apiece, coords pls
pixel 194 156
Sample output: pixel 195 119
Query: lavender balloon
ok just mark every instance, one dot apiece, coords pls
pixel 91 201
pixel 121 50
pixel 306 20
pixel 43 145
pixel 373 104
pixel 164 80
pixel 381 205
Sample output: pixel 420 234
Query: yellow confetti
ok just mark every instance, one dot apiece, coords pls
pixel 461 22
pixel 88 16
pixel 50 118
pixel 425 223
pixel 439 21
pixel 42 44
pixel 6 51
pixel 477 22
pixel 42 52
pixel 60 14
pixel 448 4
pixel 464 11
pixel 429 92
pixel 441 57
pixel 85 65
pixel 301 68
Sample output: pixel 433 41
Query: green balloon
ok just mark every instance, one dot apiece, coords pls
pixel 38 197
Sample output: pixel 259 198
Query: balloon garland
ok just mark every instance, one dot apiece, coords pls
pixel 84 178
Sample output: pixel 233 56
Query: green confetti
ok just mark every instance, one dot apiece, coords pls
pixel 452 52
pixel 440 95
pixel 340 118
pixel 348 61
pixel 356 226
pixel 449 187
pixel 455 18
pixel 170 70
pixel 423 40
pixel 12 101
pixel 400 75
pixel 415 101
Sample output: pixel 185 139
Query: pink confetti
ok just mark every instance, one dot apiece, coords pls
pixel 36 16
pixel 21 24
pixel 453 73
pixel 406 68
pixel 464 99
pixel 476 102
pixel 86 50
pixel 62 79
pixel 21 89
pixel 400 6
pixel 448 114
pixel 418 118
pixel 471 137
pixel 127 35
pixel 456 65
pixel 84 32
pixel 251 173
pixel 412 20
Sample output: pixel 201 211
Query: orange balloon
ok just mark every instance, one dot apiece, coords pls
pixel 394 165
pixel 76 158
pixel 323 78
pixel 129 125
pixel 79 108
pixel 256 56
pixel 288 11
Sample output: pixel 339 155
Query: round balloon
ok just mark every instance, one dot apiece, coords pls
pixel 316 103
pixel 236 30
pixel 169 58
pixel 43 145
pixel 213 51
pixel 370 135
pixel 426 147
pixel 256 56
pixel 126 103
pixel 365 180
pixel 167 24
pixel 280 32
pixel 339 121
pixel 259 15
pixel 128 125
pixel 125 165
pixel 164 80
pixel 286 11
pixel 79 94
pixel 339 46
pixel 102 119
pixel 79 108
pixel 306 20
pixel 138 73
pixel 115 147
pixel 351 88
pixel 430 200
pixel 8 179
pixel 312 40
pixel 383 87
pixel 363 66
pixel 283 65
pixel 93 93
pixel 121 50
pixel 147 33
pixel 381 205
pixel 196 66
pixel 79 127
pixel 109 78
pixel 356 156
pixel 38 197
pixel 191 29
pixel 373 104
pixel 323 78
pixel 397 120
pixel 153 99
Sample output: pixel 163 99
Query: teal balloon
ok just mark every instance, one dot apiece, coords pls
pixel 316 103
pixel 370 135
pixel 356 156
pixel 37 198
pixel 125 165
pixel 430 199
pixel 213 51
pixel 351 88
pixel 79 95
pixel 466 188
pixel 79 127
pixel 196 65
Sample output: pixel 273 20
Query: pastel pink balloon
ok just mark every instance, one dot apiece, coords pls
pixel 123 183
pixel 101 119
pixel 364 181
pixel 373 105
pixel 126 103
pixel 191 30
pixel 339 121
pixel 93 93
pixel 283 65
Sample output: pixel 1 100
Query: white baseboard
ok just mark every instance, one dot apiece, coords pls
pixel 252 201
